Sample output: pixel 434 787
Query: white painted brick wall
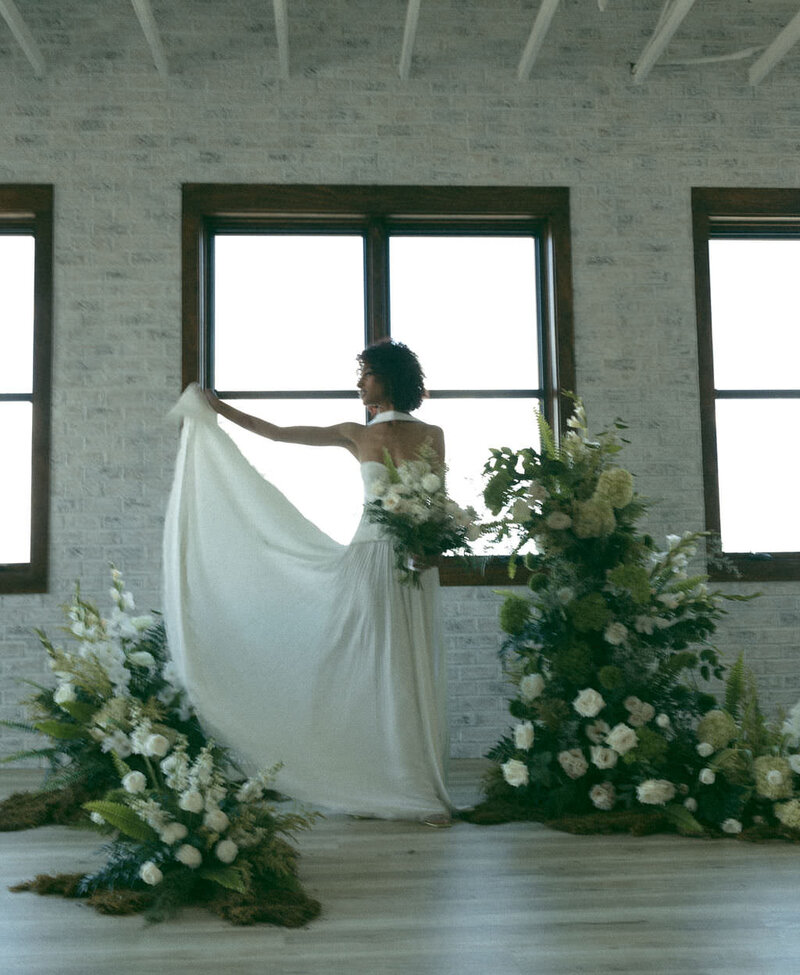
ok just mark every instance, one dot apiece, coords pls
pixel 117 142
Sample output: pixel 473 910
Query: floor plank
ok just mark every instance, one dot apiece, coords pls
pixel 403 899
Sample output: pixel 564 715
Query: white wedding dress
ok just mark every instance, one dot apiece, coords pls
pixel 297 649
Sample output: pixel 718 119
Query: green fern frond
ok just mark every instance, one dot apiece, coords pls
pixel 29 753
pixel 122 818
pixel 735 688
pixel 60 730
pixel 546 437
pixel 230 877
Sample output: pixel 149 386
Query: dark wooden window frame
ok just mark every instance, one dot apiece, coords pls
pixel 376 211
pixel 731 213
pixel 28 209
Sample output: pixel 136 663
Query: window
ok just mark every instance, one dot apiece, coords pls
pixel 747 251
pixel 25 343
pixel 284 285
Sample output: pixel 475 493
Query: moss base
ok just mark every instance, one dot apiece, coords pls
pixel 59 807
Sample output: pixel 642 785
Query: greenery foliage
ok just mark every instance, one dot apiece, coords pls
pixel 610 653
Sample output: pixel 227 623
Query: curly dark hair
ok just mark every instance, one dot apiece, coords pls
pixel 399 370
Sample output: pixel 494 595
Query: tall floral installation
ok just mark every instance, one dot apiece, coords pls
pixel 609 654
pixel 183 824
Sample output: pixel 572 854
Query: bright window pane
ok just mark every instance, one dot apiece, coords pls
pixel 16 313
pixel 323 482
pixel 288 311
pixel 471 428
pixel 759 470
pixel 15 483
pixel 449 293
pixel 755 313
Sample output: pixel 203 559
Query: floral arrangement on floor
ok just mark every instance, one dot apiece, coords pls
pixel 411 505
pixel 185 825
pixel 608 653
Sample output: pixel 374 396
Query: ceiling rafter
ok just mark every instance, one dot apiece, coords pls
pixel 538 33
pixel 23 36
pixel 781 46
pixel 409 36
pixel 672 17
pixel 152 35
pixel 282 34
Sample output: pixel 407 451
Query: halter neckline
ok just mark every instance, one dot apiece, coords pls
pixel 388 415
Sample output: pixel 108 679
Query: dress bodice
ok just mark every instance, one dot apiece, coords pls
pixel 371 472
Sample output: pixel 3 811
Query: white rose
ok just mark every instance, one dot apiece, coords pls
pixel 141 658
pixel 704 749
pixel 65 694
pixel 774 777
pixel 431 483
pixel 603 757
pixel 150 873
pixel 216 820
pixel 616 633
pixel 596 732
pixel 639 712
pixel 690 804
pixel 191 801
pixel 173 833
pixel 794 763
pixel 603 795
pixel 655 792
pixel 189 856
pixel 663 721
pixel 622 738
pixel 589 703
pixel 515 772
pixel 573 762
pixel 644 624
pixel 523 735
pixel 156 745
pixel 226 851
pixel 731 826
pixel 134 782
pixel 531 686
pixel 707 776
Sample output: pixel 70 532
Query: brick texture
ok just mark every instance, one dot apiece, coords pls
pixel 117 141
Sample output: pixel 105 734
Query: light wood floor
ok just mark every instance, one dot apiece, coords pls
pixel 403 899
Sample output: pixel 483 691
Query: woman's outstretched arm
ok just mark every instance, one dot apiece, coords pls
pixel 340 435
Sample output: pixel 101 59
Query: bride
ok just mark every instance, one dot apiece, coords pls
pixel 293 647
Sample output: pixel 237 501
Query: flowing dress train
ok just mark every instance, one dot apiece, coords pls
pixel 297 649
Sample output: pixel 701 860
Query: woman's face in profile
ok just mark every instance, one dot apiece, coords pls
pixel 370 387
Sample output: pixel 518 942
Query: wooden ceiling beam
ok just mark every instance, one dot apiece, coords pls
pixel 538 33
pixel 152 35
pixel 778 49
pixel 670 21
pixel 23 36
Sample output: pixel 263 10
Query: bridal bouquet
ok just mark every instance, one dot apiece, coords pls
pixel 411 505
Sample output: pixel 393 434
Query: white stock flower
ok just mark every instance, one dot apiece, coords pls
pixel 216 820
pixel 531 686
pixel 249 791
pixel 515 772
pixel 704 749
pixel 616 633
pixel 573 762
pixel 523 735
pixel 671 600
pixel 690 804
pixel 589 703
pixel 134 782
pixel 117 742
pixel 596 732
pixel 707 776
pixel 150 873
pixel 226 851
pixel 156 745
pixel 622 738
pixel 603 795
pixel 191 801
pixel 655 792
pixel 431 483
pixel 65 694
pixel 603 757
pixel 189 856
pixel 173 833
pixel 732 826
